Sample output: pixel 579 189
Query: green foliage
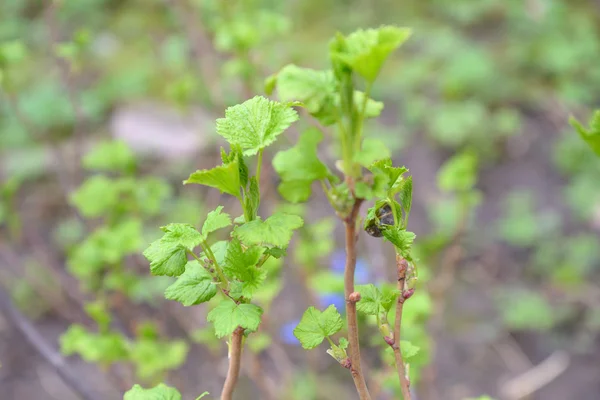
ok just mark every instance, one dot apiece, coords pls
pixel 159 392
pixel 373 301
pixel 193 287
pixel 215 220
pixel 104 348
pixel 526 310
pixel 592 135
pixel 365 51
pixel 225 177
pixel 168 255
pixel 227 316
pixel 315 326
pixel 111 156
pixel 459 173
pixel 300 166
pixel 255 124
pixel 276 230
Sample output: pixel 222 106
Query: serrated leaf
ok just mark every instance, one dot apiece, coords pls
pixel 215 220
pixel 299 166
pixel 401 239
pixel 194 286
pixel 227 316
pixel 315 89
pixel 276 230
pixel 159 392
pixel 225 177
pixel 167 255
pixel 373 301
pixel 110 156
pixel 315 326
pixel 365 51
pixel 241 265
pixel 591 135
pixel 256 123
pixel 390 176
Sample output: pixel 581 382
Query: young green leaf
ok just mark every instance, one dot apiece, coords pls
pixel 167 255
pixel 256 123
pixel 408 349
pixel 317 90
pixel 591 135
pixel 373 301
pixel 193 287
pixel 315 326
pixel 365 51
pixel 299 166
pixel 159 392
pixel 225 177
pixel 276 230
pixel 401 239
pixel 252 201
pixel 227 316
pixel 215 220
pixel 241 265
pixel 406 197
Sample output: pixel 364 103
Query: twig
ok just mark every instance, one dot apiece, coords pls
pixel 537 377
pixel 44 349
pixel 402 265
pixel 355 367
pixel 235 358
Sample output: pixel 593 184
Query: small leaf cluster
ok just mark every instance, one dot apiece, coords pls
pixel 234 267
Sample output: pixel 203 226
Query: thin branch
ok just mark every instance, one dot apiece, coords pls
pixel 402 265
pixel 235 358
pixel 355 368
pixel 44 349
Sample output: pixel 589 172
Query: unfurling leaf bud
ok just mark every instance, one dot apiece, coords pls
pixel 389 340
pixel 346 363
pixel 408 293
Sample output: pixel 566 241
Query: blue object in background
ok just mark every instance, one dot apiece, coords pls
pixel 338 263
pixel 337 299
pixel 286 333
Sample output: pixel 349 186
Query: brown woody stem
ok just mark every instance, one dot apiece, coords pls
pixel 404 382
pixel 235 358
pixel 356 370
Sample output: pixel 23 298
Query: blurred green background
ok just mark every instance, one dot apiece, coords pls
pixel 107 105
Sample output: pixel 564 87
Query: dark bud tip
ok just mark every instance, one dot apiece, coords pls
pixel 346 363
pixel 408 293
pixel 390 341
pixel 212 270
pixel 354 297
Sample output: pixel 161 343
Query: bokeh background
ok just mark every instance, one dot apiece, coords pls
pixel 107 105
